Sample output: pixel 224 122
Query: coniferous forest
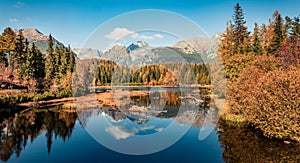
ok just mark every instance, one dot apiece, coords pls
pixel 24 66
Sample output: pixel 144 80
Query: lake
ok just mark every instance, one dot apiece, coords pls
pixel 164 126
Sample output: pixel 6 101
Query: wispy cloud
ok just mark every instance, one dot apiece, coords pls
pixel 147 128
pixel 18 4
pixel 119 33
pixel 146 37
pixel 119 132
pixel 158 36
pixel 13 20
pixel 159 129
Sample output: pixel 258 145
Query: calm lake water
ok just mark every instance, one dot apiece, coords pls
pixel 50 135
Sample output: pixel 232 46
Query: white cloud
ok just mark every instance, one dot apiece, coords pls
pixel 119 132
pixel 158 36
pixel 13 20
pixel 18 4
pixel 118 33
pixel 146 37
pixel 159 129
pixel 147 128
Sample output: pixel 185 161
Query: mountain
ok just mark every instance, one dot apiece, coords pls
pixel 87 53
pixel 206 47
pixel 185 47
pixel 117 54
pixel 137 45
pixel 39 39
pixel 197 50
pixel 141 53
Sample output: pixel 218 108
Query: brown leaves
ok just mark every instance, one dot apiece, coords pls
pixel 269 98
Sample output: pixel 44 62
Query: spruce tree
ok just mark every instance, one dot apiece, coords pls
pixel 296 27
pixel 26 54
pixel 57 57
pixel 256 42
pixel 40 63
pixel 50 60
pixel 278 36
pixel 70 59
pixel 18 57
pixel 240 31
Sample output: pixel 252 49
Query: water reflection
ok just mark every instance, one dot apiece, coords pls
pixel 243 145
pixel 238 144
pixel 20 128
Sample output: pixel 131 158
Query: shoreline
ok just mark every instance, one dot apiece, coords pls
pixel 111 99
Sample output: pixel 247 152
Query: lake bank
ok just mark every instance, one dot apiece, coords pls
pixel 120 97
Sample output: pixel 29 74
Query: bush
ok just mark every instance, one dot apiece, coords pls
pixel 270 100
pixel 235 64
pixel 21 98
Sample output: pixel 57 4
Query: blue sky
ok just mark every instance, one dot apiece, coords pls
pixel 72 21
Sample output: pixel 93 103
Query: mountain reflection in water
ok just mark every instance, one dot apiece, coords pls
pixel 145 115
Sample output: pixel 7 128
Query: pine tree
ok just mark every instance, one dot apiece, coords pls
pixel 39 63
pixel 70 59
pixel 278 37
pixel 7 44
pixel 50 60
pixel 18 57
pixel 57 57
pixel 296 27
pixel 26 54
pixel 256 42
pixel 240 31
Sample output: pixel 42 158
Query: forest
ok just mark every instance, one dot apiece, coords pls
pixel 24 67
pixel 169 74
pixel 262 71
pixel 262 68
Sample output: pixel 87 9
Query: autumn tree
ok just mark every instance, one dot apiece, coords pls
pixel 7 44
pixel 226 47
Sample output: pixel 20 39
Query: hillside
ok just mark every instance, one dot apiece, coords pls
pixel 39 39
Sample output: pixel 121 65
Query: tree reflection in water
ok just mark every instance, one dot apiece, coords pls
pixel 243 145
pixel 239 144
pixel 22 127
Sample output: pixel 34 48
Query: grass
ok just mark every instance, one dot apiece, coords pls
pixel 228 117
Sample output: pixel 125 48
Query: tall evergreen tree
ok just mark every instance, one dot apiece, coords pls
pixel 70 58
pixel 278 37
pixel 240 31
pixel 256 42
pixel 57 57
pixel 50 60
pixel 18 57
pixel 37 62
pixel 296 27
pixel 26 54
